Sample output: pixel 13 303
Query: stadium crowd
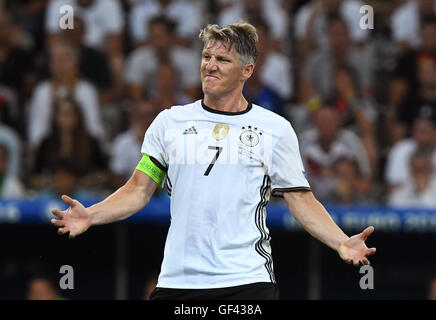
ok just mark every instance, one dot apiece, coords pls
pixel 75 103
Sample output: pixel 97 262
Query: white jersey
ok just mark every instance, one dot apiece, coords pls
pixel 221 169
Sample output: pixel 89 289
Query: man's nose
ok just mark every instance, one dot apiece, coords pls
pixel 211 65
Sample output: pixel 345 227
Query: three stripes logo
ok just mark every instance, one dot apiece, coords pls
pixel 190 130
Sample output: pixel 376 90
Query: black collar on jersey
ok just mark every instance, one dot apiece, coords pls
pixel 227 113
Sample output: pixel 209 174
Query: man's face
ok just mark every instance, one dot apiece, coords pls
pixel 41 289
pixel 428 35
pixel 263 43
pixel 5 28
pixel 62 61
pixel 424 132
pixel 76 34
pixel 143 114
pixel 160 36
pixel 221 70
pixel 327 123
pixel 420 167
pixel 64 182
pixel 426 6
pixel 338 34
pixel 166 77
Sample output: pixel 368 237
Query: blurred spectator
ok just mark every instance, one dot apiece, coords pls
pixel 258 93
pixel 420 191
pixel 126 148
pixel 432 289
pixel 142 64
pixel 30 16
pixel 42 288
pixel 9 110
pixel 413 89
pixel 397 171
pixel 167 92
pixel 65 80
pixel 15 73
pixel 103 22
pixel 63 179
pixel 406 22
pixel 349 187
pixel 319 69
pixel 94 65
pixel 10 140
pixel 185 14
pixel 273 70
pixel 10 186
pixel 69 141
pixel 323 145
pixel 357 112
pixel 270 11
pixel 311 23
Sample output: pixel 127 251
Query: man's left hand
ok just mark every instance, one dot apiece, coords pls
pixel 355 251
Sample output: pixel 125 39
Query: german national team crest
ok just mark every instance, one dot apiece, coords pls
pixel 220 131
pixel 250 136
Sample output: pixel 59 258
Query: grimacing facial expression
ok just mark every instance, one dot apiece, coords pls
pixel 221 70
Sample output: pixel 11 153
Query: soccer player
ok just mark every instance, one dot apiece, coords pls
pixel 222 157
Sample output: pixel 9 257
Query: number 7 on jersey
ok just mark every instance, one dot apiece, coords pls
pixel 215 158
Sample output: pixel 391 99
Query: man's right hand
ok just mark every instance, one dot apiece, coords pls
pixel 74 220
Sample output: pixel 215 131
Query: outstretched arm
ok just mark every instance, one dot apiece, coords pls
pixel 123 203
pixel 314 218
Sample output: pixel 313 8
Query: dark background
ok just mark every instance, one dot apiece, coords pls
pixel 402 264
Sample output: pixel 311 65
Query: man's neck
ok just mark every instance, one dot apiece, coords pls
pixel 229 103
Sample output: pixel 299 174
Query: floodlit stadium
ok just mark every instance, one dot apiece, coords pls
pixel 154 149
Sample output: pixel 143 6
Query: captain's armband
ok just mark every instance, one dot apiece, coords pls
pixel 151 169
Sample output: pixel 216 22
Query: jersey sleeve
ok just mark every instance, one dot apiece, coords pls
pixel 154 141
pixel 287 171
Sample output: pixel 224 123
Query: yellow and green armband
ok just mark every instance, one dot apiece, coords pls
pixel 151 169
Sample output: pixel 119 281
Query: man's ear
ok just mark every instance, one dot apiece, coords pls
pixel 247 71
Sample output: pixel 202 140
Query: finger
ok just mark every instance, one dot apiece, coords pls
pixel 371 251
pixel 71 236
pixel 58 223
pixel 367 232
pixel 63 230
pixel 67 200
pixel 58 213
pixel 365 262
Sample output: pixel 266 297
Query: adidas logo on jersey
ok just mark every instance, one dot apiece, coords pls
pixel 190 130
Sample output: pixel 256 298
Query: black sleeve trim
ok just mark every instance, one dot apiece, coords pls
pixel 278 192
pixel 158 164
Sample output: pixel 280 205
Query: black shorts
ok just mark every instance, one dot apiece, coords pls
pixel 252 291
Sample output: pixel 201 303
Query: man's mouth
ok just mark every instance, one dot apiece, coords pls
pixel 211 76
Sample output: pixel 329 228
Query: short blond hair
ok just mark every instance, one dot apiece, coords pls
pixel 242 35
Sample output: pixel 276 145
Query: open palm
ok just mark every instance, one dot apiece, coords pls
pixel 355 251
pixel 74 220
